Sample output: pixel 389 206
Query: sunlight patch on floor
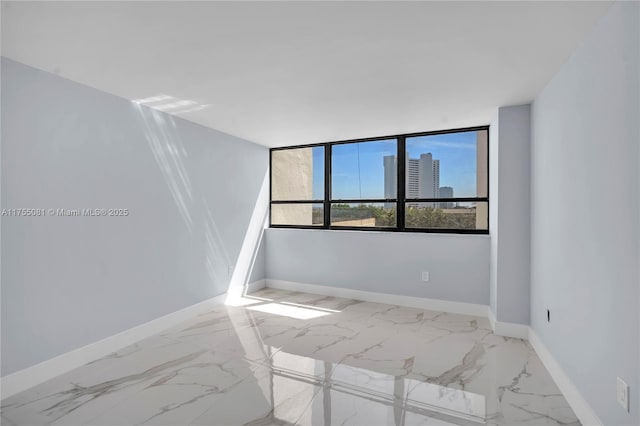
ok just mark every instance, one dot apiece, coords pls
pixel 289 311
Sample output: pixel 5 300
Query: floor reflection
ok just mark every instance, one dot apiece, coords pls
pixel 337 393
pixel 289 358
pixel 341 393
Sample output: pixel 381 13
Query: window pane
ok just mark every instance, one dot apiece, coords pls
pixel 447 215
pixel 447 165
pixel 297 174
pixel 363 170
pixel 365 215
pixel 297 214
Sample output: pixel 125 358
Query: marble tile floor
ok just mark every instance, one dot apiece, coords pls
pixel 285 358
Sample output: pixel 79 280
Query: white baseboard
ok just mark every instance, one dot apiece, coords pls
pixel 580 406
pixel 508 329
pixel 14 383
pixel 255 286
pixel 392 299
pixel 39 373
pixel 492 319
pixel 239 291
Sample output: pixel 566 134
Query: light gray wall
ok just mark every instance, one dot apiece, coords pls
pixel 258 269
pixel 384 262
pixel 585 185
pixel 69 281
pixel 510 218
pixel 494 231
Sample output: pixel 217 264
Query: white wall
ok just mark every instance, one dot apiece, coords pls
pixel 383 262
pixel 510 218
pixel 584 214
pixel 191 193
pixel 494 232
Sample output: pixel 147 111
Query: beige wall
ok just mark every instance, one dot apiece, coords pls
pixel 368 222
pixel 292 179
pixel 482 178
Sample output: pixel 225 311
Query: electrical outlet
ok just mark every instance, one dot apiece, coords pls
pixel 623 394
pixel 425 276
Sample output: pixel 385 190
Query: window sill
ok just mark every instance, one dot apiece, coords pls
pixel 384 232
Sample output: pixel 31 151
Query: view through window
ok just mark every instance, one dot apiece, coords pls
pixel 429 182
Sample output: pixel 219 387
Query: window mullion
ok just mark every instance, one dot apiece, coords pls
pixel 400 191
pixel 327 186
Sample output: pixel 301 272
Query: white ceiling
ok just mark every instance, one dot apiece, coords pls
pixel 284 73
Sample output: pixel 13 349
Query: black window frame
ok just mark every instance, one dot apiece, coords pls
pixel 400 200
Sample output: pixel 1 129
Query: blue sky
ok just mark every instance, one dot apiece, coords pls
pixel 365 178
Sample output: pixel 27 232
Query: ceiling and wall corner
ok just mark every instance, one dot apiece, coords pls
pixel 283 73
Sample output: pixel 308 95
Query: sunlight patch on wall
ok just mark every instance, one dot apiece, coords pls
pixel 251 243
pixel 171 104
pixel 170 155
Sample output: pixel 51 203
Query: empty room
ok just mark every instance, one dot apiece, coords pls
pixel 320 213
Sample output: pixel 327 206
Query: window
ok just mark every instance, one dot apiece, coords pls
pixel 427 182
pixel 297 187
pixel 360 196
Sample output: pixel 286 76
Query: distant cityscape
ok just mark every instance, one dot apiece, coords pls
pixel 422 181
